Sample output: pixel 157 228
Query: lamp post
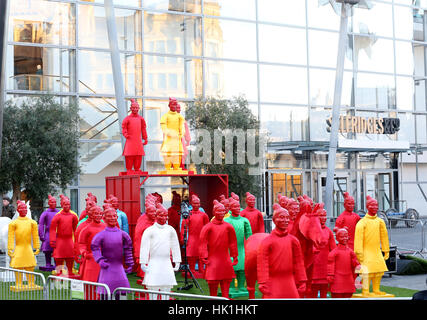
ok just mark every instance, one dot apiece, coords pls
pixel 333 143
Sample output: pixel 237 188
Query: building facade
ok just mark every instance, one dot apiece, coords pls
pixel 281 55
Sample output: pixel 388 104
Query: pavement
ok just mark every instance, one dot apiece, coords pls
pixel 414 282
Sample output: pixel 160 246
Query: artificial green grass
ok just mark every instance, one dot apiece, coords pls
pixel 398 292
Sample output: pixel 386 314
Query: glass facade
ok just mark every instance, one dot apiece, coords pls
pixel 281 55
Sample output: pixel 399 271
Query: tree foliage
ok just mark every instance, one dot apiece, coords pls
pixel 221 114
pixel 39 147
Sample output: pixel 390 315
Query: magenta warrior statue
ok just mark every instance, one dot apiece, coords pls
pixel 110 248
pixel 133 129
pixel 44 225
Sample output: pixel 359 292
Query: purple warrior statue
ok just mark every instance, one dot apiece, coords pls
pixel 109 248
pixel 44 225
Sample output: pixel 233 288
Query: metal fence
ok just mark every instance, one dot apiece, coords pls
pixel 18 284
pixel 408 235
pixel 62 288
pixel 143 294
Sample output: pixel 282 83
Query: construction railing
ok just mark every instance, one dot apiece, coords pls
pixel 18 284
pixel 63 288
pixel 143 294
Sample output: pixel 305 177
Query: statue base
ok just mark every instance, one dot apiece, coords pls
pixel 47 268
pixel 176 171
pixel 235 293
pixel 133 173
pixel 25 287
pixel 373 295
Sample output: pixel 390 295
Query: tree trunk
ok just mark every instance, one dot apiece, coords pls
pixel 16 194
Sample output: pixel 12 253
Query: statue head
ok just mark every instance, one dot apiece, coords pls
pixel 280 217
pixel 134 106
pixel 176 199
pixel 114 201
pixel 371 205
pixel 283 201
pixel 341 234
pixel 173 103
pixel 96 213
pixel 235 197
pixel 250 200
pixel 293 208
pixel 234 207
pixel 91 197
pixel 224 201
pixel 195 202
pixel 65 203
pixel 178 107
pixel 21 208
pixel 348 202
pixel 150 211
pixel 161 214
pixel 51 202
pixel 158 197
pixel 320 212
pixel 218 210
pixel 110 216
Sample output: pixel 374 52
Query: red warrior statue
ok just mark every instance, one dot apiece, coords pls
pixel 218 244
pixel 253 215
pixel 281 272
pixel 174 212
pixel 133 129
pixel 320 264
pixel 61 234
pixel 348 219
pixel 192 226
pixel 342 263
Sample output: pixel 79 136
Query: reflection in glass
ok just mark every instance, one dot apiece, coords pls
pixel 98 119
pixel 377 20
pixel 403 22
pixel 92 27
pixel 192 6
pixel 132 73
pixel 235 40
pixel 283 11
pixel 128 24
pixel 284 123
pixel 373 136
pixel 242 9
pixel 421 129
pixel 37 69
pixel 420 95
pixel 95 72
pixel 170 33
pixel 282 44
pixel 95 156
pixel 405 58
pixel 373 54
pixel 318 117
pixel 407 127
pixel 228 79
pixel 375 91
pixel 322 87
pixel 323 49
pixel 405 93
pixel 322 16
pixel 39 21
pixel 283 84
pixel 176 77
pixel 129 3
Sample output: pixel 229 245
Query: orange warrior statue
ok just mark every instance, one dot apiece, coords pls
pixel 172 124
pixel 133 129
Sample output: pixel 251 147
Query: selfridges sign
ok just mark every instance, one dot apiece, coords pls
pixel 363 125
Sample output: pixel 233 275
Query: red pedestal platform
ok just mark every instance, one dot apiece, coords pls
pixel 127 188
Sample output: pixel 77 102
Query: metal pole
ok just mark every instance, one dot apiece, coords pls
pixel 333 144
pixel 115 63
pixel 4 15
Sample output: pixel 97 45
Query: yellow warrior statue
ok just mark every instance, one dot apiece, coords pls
pixel 172 124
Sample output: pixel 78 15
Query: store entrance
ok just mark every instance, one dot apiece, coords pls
pixel 288 184
pixel 341 186
pixel 378 185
